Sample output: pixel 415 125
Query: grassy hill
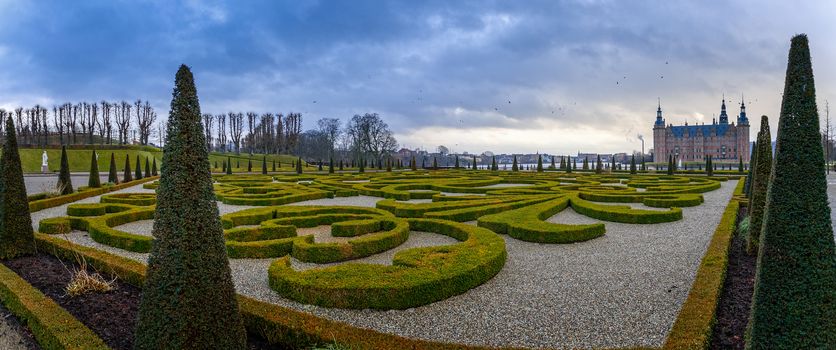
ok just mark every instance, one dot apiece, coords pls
pixel 79 159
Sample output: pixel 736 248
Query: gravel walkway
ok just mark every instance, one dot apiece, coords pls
pixel 623 289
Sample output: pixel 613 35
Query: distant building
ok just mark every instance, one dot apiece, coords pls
pixel 690 143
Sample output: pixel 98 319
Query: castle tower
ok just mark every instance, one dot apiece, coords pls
pixel 659 142
pixel 743 145
pixel 724 118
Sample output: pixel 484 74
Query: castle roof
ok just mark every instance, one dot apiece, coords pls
pixel 700 130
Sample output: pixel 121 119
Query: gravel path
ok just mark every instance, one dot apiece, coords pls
pixel 622 289
pixel 13 335
pixel 46 183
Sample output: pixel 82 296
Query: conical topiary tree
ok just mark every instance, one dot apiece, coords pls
pixel 341 165
pixel 188 299
pixel 154 166
pixel 670 164
pixel 389 165
pixel 228 165
pixel 514 165
pixel 585 163
pixel 94 181
pixel 361 166
pixel 473 164
pixel 740 165
pixel 599 167
pixel 237 164
pixel 249 165
pixel 753 163
pixel 111 175
pixel 65 182
pixel 16 234
pixel 709 168
pixel 412 164
pixel 794 305
pixel 457 162
pixel 127 176
pixel 760 183
pixel 494 166
pixel 299 165
pixel 633 165
pixel 264 165
pixel 539 163
pixel 274 165
pixel 147 168
pixel 331 165
pixel 137 169
pixel 435 163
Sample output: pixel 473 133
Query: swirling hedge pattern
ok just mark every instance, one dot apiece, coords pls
pixel 472 207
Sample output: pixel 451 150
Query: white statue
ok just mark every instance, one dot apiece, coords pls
pixel 44 158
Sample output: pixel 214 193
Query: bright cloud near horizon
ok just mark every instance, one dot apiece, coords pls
pixel 546 76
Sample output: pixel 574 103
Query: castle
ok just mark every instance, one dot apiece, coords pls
pixel 693 143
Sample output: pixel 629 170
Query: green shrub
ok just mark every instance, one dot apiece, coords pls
pixel 794 304
pixel 188 300
pixel 16 235
pixel 528 224
pixel 407 283
pixel 760 182
pixel 65 182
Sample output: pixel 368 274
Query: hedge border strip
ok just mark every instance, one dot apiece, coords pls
pixel 72 197
pixel 52 326
pixel 693 326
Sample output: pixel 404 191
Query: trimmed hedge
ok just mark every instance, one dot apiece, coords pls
pixel 139 199
pixel 623 213
pixel 61 200
pixel 527 224
pixel 397 232
pixel 418 276
pixel 51 325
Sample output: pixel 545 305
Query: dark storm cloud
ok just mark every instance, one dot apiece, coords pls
pixel 429 68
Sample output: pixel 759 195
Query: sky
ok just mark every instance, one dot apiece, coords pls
pixel 548 76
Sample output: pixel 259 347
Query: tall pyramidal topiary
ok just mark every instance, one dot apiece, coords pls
pixel 760 182
pixel 147 168
pixel 137 169
pixel 599 167
pixel 633 165
pixel 473 165
pixel 515 166
pixel 264 165
pixel 412 164
pixel 112 177
pixel 361 166
pixel 299 165
pixel 331 165
pixel 16 235
pixel 710 166
pixel 154 166
pixel 794 305
pixel 188 300
pixel 540 163
pixel 65 183
pixel 670 164
pixel 274 165
pixel 127 176
pixel 585 164
pixel 753 163
pixel 494 166
pixel 249 165
pixel 228 165
pixel 94 181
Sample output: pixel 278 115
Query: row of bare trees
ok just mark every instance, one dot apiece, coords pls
pixel 83 123
pixel 266 133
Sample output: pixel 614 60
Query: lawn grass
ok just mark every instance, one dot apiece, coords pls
pixel 79 159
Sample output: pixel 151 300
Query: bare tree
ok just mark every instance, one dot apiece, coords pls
pixel 72 121
pixel 207 128
pixel 221 131
pixel 58 121
pixel 145 117
pixel 251 118
pixel 292 129
pixel 83 120
pixel 236 126
pixel 123 120
pixel 330 128
pixel 371 136
pixel 279 143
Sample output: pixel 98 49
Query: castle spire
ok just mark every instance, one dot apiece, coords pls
pixel 741 119
pixel 659 121
pixel 724 118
